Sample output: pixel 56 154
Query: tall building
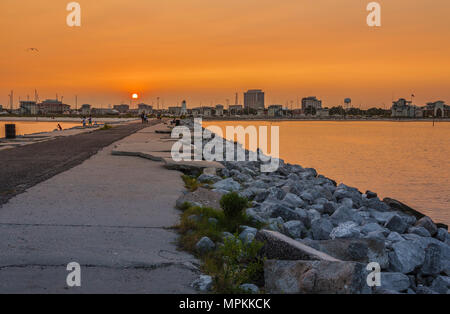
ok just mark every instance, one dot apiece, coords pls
pixel 28 107
pixel 254 99
pixel 312 102
pixel 183 108
pixel 86 109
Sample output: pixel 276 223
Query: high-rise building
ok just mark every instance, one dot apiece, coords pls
pixel 254 99
pixel 312 102
pixel 183 108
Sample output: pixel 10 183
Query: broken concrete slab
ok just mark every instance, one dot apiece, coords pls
pixel 279 246
pixel 355 250
pixel 191 166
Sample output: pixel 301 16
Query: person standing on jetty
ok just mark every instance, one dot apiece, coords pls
pixel 90 120
pixel 84 122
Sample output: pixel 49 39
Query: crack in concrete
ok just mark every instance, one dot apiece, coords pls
pixel 82 226
pixel 147 267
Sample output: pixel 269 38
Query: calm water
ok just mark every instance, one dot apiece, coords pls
pixel 30 127
pixel 408 161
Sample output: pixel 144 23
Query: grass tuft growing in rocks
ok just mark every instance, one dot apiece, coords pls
pixel 191 183
pixel 233 262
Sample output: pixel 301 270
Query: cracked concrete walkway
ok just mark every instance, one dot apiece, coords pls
pixel 110 214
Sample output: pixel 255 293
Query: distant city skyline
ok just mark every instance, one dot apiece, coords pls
pixel 205 52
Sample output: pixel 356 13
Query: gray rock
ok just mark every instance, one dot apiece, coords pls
pixel 261 196
pixel 208 178
pixel 314 277
pixel 313 214
pixel 428 224
pixel 370 227
pixel 227 185
pixel 406 256
pixel 227 235
pixel 249 288
pixel 321 229
pixel 376 235
pixel 380 217
pixel 247 235
pixel 306 196
pixel 293 200
pixel 421 231
pixel 286 213
pixel 205 245
pixel 254 216
pixel 395 237
pixel 203 284
pixel 394 281
pixel 441 284
pixel 328 208
pixel 397 224
pixel 421 289
pixel 294 229
pixel 432 263
pixel 344 214
pixel 442 235
pixel 345 230
pixel 370 194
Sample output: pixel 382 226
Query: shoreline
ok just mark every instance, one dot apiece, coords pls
pixel 310 223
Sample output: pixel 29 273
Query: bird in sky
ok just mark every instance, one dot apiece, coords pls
pixel 32 50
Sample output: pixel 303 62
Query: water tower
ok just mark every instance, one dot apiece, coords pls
pixel 348 102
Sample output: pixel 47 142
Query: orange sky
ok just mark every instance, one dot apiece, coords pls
pixel 205 51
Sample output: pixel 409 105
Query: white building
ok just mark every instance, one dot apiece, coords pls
pixel 403 108
pixel 183 108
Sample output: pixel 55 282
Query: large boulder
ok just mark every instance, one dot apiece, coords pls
pixel 205 245
pixel 345 213
pixel 394 282
pixel 293 200
pixel 406 256
pixel 278 210
pixel 428 224
pixel 295 229
pixel 397 224
pixel 315 277
pixel 227 185
pixel 321 229
pixel 203 283
pixel 346 230
pixel 279 246
pixel 432 263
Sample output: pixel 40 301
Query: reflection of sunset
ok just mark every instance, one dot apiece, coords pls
pixel 206 51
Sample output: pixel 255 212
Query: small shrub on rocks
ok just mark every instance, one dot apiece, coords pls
pixel 233 205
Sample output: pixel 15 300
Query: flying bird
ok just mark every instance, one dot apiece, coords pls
pixel 33 49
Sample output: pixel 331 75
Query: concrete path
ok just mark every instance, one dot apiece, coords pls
pixel 110 214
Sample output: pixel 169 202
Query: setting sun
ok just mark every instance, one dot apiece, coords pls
pixel 135 96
